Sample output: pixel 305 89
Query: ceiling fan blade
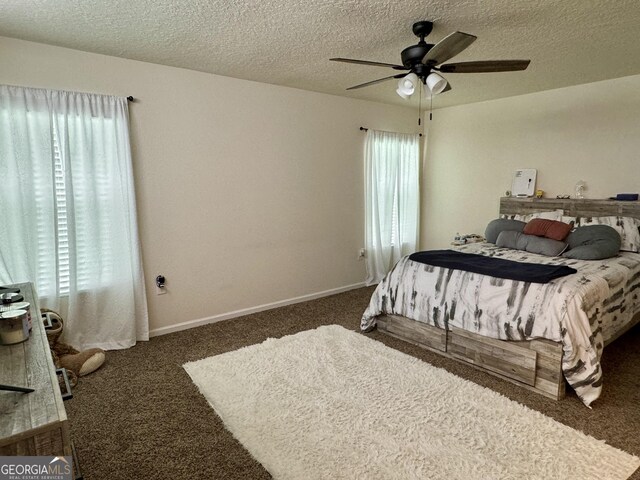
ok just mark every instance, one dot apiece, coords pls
pixel 486 66
pixel 448 47
pixel 373 82
pixel 367 62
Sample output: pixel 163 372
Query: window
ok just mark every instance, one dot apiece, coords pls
pixel 391 200
pixel 62 231
pixel 65 161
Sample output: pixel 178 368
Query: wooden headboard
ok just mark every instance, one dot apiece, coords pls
pixel 572 207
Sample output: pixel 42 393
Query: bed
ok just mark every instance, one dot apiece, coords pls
pixel 538 336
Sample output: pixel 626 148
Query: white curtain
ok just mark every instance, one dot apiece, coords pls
pixel 69 222
pixel 392 200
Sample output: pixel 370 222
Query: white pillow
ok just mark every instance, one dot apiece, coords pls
pixel 627 227
pixel 551 215
pixel 567 219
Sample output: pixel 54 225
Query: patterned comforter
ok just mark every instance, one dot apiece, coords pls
pixel 582 310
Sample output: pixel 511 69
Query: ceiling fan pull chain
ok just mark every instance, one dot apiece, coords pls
pixel 430 107
pixel 420 104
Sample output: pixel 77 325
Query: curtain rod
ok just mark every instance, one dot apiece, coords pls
pixel 130 98
pixel 365 129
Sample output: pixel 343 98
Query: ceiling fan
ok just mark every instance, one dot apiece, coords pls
pixel 423 60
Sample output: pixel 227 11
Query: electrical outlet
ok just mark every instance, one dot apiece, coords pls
pixel 161 287
pixel 361 253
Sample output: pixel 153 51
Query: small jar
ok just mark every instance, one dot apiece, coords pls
pixel 22 306
pixel 13 327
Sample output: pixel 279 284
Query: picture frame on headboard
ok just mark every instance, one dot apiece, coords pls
pixel 524 182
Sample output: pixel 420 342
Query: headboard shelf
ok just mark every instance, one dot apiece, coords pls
pixel 574 207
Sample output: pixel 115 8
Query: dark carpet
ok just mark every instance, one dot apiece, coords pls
pixel 141 417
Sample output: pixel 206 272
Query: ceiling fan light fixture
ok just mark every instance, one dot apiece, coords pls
pixel 402 94
pixel 436 83
pixel 407 85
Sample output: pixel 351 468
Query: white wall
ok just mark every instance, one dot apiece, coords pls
pixel 587 132
pixel 247 193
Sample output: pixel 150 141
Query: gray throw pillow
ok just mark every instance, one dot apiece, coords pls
pixel 593 242
pixel 627 227
pixel 501 224
pixel 511 239
pixel 530 243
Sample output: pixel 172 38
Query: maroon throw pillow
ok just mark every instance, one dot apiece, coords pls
pixel 553 229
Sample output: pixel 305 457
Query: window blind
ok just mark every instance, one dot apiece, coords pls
pixel 62 227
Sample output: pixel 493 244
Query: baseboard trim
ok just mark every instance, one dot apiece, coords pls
pixel 247 311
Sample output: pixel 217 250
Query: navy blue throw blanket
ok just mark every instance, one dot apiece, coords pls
pixel 494 267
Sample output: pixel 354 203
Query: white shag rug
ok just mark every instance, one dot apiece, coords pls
pixel 331 403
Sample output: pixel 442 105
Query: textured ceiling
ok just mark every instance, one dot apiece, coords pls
pixel 289 42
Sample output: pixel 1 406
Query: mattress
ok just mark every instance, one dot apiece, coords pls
pixel 582 310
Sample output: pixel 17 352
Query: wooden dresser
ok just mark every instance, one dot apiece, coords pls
pixel 32 423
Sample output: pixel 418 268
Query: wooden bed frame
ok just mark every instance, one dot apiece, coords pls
pixel 535 365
